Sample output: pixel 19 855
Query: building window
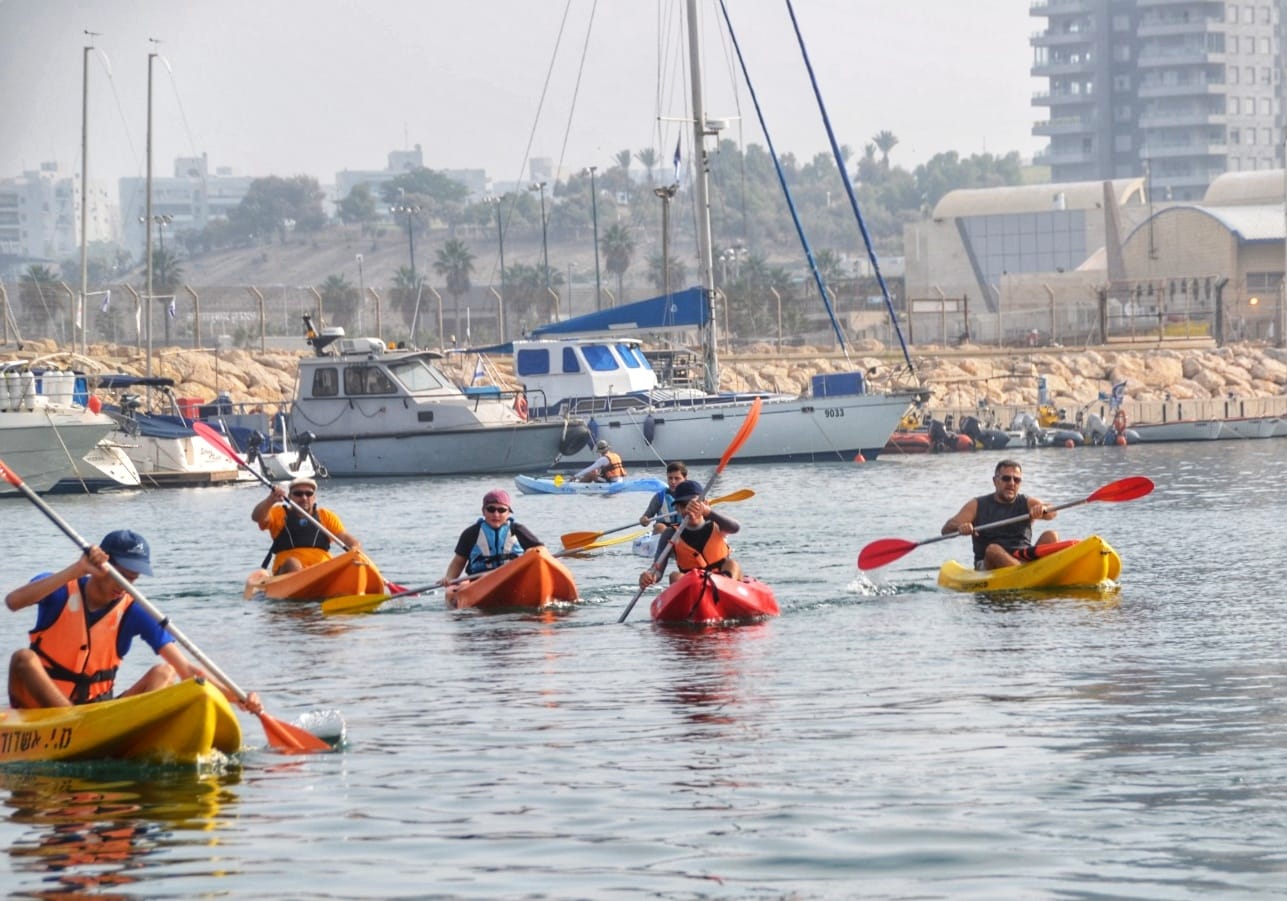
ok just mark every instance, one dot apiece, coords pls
pixel 1233 106
pixel 1233 75
pixel 1235 136
pixel 1232 14
pixel 1251 136
pixel 1265 76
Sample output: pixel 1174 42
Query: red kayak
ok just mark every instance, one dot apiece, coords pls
pixel 700 597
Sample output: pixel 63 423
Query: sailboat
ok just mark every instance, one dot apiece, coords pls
pixel 584 367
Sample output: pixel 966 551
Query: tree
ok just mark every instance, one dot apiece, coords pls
pixel 618 247
pixel 455 263
pixel 167 278
pixel 407 287
pixel 272 205
pixel 678 272
pixel 648 159
pixel 359 206
pixel 885 141
pixel 622 159
pixel 340 299
pixel 42 301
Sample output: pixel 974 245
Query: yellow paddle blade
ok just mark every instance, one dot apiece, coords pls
pixel 558 480
pixel 622 539
pixel 353 603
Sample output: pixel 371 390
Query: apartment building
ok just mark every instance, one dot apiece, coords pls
pixel 1177 91
pixel 40 216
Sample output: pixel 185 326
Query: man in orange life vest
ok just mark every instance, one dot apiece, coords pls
pixel 84 625
pixel 701 542
pixel 607 467
pixel 297 541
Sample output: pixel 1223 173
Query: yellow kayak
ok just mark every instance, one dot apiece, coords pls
pixel 182 723
pixel 349 573
pixel 1087 563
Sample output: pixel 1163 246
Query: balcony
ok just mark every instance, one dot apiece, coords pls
pixel 1155 151
pixel 1059 7
pixel 1181 57
pixel 1052 68
pixel 1194 88
pixel 1062 38
pixel 1176 118
pixel 1068 125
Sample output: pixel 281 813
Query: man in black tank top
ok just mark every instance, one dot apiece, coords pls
pixel 1006 545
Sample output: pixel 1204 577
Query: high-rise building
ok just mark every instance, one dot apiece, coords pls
pixel 1179 91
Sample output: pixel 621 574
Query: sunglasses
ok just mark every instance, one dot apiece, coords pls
pixel 490 509
pixel 301 494
pixel 1008 479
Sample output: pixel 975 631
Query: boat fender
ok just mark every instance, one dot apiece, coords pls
pixel 594 430
pixel 576 435
pixel 649 428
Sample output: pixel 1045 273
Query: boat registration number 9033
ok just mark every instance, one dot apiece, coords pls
pixel 20 741
pixel 833 412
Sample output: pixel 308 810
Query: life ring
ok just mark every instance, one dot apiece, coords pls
pixel 520 406
pixel 575 436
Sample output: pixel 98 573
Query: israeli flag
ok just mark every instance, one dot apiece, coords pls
pixel 1119 394
pixel 677 140
pixel 479 371
pixel 107 301
pixel 171 311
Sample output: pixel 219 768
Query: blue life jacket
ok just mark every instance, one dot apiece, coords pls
pixel 493 548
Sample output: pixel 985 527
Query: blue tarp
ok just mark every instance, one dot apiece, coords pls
pixel 680 310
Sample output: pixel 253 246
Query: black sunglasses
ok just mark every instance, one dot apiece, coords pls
pixel 301 494
pixel 1009 478
pixel 490 509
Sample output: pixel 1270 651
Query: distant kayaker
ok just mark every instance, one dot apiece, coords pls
pixel 607 467
pixel 701 543
pixel 1004 545
pixel 494 540
pixel 661 508
pixel 297 541
pixel 84 625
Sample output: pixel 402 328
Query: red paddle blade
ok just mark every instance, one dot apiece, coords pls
pixel 884 551
pixel 10 476
pixel 748 426
pixel 1123 489
pixel 216 439
pixel 292 739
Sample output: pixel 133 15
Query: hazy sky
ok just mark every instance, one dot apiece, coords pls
pixel 284 87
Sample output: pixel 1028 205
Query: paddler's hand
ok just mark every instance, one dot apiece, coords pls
pixel 253 704
pixel 967 528
pixel 648 577
pixel 278 493
pixel 92 562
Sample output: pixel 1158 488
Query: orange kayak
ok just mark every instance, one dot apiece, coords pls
pixel 707 597
pixel 349 573
pixel 536 579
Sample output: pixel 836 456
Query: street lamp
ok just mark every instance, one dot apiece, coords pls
pixel 666 194
pixel 500 239
pixel 410 209
pixel 545 242
pixel 594 207
pixel 160 222
pixel 361 295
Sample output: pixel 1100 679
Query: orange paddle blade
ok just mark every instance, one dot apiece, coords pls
pixel 573 540
pixel 292 739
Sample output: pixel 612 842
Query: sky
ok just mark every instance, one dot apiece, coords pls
pixel 287 87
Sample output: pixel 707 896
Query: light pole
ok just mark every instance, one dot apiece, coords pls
pixel 666 194
pixel 410 209
pixel 594 208
pixel 500 240
pixel 361 295
pixel 545 242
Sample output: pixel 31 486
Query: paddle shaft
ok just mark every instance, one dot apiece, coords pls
pixel 581 539
pixel 216 440
pixel 126 584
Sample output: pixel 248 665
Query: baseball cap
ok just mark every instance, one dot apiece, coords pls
pixel 602 445
pixel 687 490
pixel 497 496
pixel 303 481
pixel 128 550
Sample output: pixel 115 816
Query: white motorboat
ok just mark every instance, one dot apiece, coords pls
pixel 1179 430
pixel 376 412
pixel 106 467
pixel 1249 427
pixel 44 433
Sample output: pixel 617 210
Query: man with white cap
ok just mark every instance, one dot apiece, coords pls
pixel 491 542
pixel 297 541
pixel 85 624
pixel 607 467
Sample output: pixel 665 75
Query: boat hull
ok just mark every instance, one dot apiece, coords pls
pixel 534 485
pixel 47 444
pixel 518 448
pixel 703 598
pixel 181 724
pixel 1088 563
pixel 347 573
pixel 1182 430
pixel 536 579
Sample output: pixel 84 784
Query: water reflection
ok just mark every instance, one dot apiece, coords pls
pixel 100 831
pixel 708 676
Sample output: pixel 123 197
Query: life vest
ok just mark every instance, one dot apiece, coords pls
pixel 81 659
pixel 300 531
pixel 615 468
pixel 713 549
pixel 493 548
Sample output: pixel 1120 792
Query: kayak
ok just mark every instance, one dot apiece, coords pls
pixel 560 485
pixel 536 579
pixel 1087 563
pixel 349 573
pixel 700 597
pixel 184 723
pixel 646 545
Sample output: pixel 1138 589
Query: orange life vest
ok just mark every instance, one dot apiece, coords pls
pixel 81 659
pixel 712 553
pixel 615 468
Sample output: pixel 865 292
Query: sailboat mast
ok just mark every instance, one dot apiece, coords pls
pixel 83 308
pixel 147 218
pixel 701 173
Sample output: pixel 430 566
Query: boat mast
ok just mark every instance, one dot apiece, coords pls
pixel 83 309
pixel 147 216
pixel 701 172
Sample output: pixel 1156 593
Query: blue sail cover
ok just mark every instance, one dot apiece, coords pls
pixel 680 310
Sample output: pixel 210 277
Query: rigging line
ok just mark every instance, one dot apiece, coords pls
pixel 183 116
pixel 111 80
pixel 849 189
pixel 777 165
pixel 576 88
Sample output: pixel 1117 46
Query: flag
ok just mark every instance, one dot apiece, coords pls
pixel 479 371
pixel 80 312
pixel 171 311
pixel 677 140
pixel 1119 394
pixel 107 300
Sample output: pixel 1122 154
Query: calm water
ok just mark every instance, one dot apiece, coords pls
pixel 880 738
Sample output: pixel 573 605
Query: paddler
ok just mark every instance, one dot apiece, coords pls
pixel 1005 545
pixel 607 467
pixel 494 540
pixel 84 625
pixel 297 541
pixel 701 543
pixel 661 507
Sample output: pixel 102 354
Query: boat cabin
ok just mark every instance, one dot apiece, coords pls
pixel 558 372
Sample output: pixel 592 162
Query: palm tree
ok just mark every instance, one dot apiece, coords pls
pixel 648 159
pixel 340 299
pixel 623 158
pixel 41 300
pixel 455 263
pixel 618 247
pixel 885 141
pixel 167 277
pixel 406 292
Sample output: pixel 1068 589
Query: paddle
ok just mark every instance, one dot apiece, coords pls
pixel 218 443
pixel 573 540
pixel 748 426
pixel 886 550
pixel 282 736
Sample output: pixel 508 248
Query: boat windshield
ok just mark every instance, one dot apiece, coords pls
pixel 417 375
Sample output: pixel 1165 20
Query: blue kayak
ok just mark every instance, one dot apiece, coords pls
pixel 562 485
